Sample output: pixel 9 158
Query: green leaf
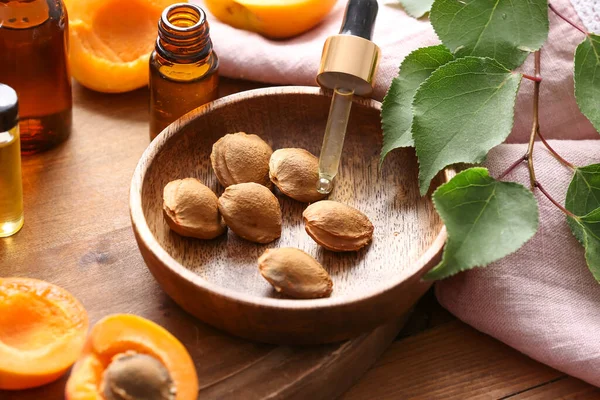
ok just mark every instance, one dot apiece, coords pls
pixel 396 110
pixel 416 8
pixel 590 225
pixel 583 195
pixel 486 220
pixel 587 78
pixel 505 30
pixel 461 111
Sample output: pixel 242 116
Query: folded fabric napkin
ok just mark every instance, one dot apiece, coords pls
pixel 247 55
pixel 542 300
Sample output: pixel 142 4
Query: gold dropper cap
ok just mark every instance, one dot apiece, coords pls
pixel 348 66
pixel 350 62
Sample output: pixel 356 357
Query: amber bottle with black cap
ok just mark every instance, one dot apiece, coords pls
pixel 183 66
pixel 11 189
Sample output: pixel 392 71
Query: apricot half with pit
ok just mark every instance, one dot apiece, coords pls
pixel 42 331
pixel 127 357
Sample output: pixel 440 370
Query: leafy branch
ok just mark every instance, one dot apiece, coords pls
pixel 554 153
pixel 455 102
pixel 562 16
pixel 535 131
pixel 536 119
pixel 556 203
pixel 513 166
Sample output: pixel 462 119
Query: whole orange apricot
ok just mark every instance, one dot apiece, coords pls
pixel 272 18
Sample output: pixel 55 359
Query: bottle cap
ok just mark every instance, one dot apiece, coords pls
pixel 359 19
pixel 9 108
pixel 350 59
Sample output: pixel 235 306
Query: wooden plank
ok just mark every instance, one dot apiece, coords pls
pixel 427 314
pixel 565 388
pixel 452 361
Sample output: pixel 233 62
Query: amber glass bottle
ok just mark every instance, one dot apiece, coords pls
pixel 33 60
pixel 183 67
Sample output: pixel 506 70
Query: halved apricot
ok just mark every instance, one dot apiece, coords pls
pixel 129 357
pixel 111 41
pixel 42 332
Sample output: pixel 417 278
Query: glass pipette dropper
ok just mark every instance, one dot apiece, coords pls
pixel 333 141
pixel 348 67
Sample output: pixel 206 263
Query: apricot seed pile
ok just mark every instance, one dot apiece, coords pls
pixel 247 167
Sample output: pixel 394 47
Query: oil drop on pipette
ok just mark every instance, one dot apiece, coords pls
pixel 348 67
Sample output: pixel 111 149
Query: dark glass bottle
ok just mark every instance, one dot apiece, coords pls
pixel 33 60
pixel 183 66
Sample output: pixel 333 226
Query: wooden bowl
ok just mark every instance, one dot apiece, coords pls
pixel 218 281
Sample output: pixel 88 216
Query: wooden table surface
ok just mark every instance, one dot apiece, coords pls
pixel 434 357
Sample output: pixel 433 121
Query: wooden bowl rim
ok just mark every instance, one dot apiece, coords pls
pixel 142 229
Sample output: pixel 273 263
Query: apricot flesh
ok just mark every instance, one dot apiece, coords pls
pixel 42 331
pixel 118 336
pixel 111 42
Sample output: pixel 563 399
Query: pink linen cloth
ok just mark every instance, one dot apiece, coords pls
pixel 542 300
pixel 247 55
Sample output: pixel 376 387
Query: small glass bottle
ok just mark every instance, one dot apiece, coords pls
pixel 33 48
pixel 11 186
pixel 183 66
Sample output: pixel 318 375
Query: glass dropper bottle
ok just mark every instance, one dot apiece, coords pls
pixel 11 187
pixel 183 67
pixel 348 66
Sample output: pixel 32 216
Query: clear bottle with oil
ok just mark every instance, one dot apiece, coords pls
pixel 33 60
pixel 183 66
pixel 11 188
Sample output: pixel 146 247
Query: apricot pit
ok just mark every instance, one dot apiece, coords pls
pixel 137 376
